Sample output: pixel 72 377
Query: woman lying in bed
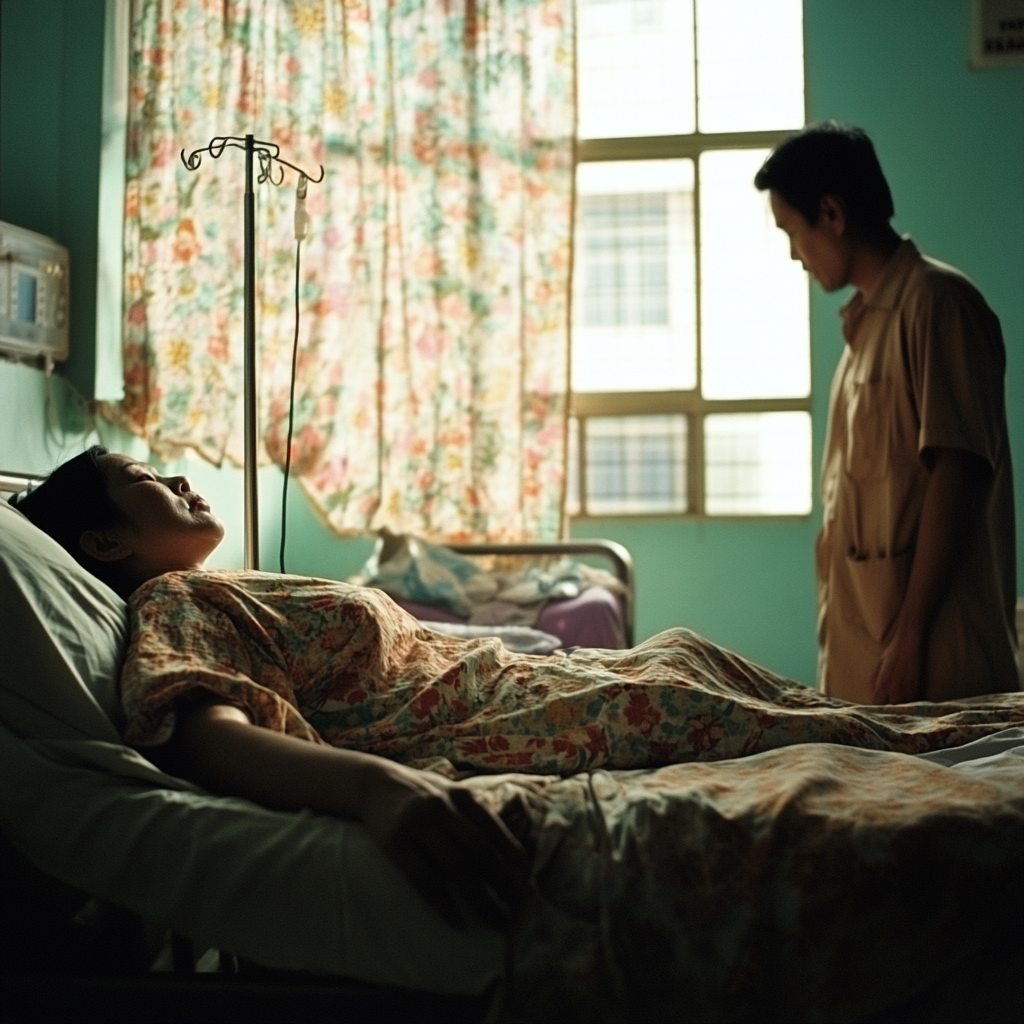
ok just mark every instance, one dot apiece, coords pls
pixel 351 697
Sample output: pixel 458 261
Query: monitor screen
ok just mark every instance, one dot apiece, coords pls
pixel 26 308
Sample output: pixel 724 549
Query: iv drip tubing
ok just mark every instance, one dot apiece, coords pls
pixel 291 410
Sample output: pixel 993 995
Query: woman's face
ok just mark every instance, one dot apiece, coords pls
pixel 167 525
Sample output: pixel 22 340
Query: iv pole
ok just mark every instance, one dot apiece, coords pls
pixel 268 154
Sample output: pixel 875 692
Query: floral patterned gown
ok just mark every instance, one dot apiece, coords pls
pixel 330 662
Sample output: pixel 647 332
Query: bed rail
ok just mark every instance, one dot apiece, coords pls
pixel 11 483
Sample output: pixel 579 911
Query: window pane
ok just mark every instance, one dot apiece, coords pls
pixel 750 65
pixel 758 463
pixel 634 311
pixel 635 61
pixel 636 464
pixel 625 260
pixel 755 332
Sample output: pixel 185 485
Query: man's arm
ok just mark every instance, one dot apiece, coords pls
pixel 952 503
pixel 452 849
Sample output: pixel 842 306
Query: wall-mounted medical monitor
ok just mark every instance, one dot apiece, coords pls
pixel 33 295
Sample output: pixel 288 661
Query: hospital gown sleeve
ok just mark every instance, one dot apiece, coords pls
pixel 183 645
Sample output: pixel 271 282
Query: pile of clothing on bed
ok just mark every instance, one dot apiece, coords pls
pixel 574 602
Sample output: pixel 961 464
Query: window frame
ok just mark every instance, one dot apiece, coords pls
pixel 584 405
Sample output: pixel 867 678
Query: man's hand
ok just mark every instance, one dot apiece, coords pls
pixel 900 677
pixel 952 502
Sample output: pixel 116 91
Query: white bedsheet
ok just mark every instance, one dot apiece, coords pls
pixel 997 749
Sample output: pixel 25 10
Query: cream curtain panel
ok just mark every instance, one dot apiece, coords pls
pixel 433 362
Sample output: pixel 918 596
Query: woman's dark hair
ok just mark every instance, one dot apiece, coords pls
pixel 71 500
pixel 830 159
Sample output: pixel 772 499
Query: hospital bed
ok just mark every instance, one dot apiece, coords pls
pixel 812 882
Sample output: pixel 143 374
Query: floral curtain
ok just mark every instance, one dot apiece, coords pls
pixel 433 362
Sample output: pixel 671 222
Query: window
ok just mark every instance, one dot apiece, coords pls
pixel 691 342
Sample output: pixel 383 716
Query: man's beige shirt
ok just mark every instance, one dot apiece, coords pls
pixel 923 368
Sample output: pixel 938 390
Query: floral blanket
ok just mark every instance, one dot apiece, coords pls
pixel 774 855
pixel 330 662
pixel 811 883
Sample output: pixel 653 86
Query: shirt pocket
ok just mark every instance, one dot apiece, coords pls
pixel 869 430
pixel 879 586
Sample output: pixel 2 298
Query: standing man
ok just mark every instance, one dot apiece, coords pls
pixel 916 557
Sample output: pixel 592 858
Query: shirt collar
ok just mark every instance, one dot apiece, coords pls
pixel 886 293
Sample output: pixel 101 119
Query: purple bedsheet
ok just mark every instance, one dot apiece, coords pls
pixel 594 619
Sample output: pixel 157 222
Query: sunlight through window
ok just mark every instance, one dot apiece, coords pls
pixel 634 314
pixel 635 66
pixel 691 367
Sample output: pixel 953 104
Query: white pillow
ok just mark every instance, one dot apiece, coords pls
pixel 293 891
pixel 63 638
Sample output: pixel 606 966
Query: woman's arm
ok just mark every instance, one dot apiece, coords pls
pixel 455 851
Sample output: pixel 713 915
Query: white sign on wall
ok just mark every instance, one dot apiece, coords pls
pixel 998 36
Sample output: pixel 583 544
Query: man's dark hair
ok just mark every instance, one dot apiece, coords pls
pixel 71 500
pixel 830 159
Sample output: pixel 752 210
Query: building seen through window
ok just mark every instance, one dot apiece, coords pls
pixel 625 259
pixel 691 347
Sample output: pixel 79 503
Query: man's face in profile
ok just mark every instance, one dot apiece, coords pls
pixel 823 249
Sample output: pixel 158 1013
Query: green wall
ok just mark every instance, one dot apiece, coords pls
pixel 51 91
pixel 952 143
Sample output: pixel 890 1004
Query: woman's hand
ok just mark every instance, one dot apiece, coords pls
pixel 453 849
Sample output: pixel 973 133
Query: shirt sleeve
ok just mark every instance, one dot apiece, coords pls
pixel 181 646
pixel 957 362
